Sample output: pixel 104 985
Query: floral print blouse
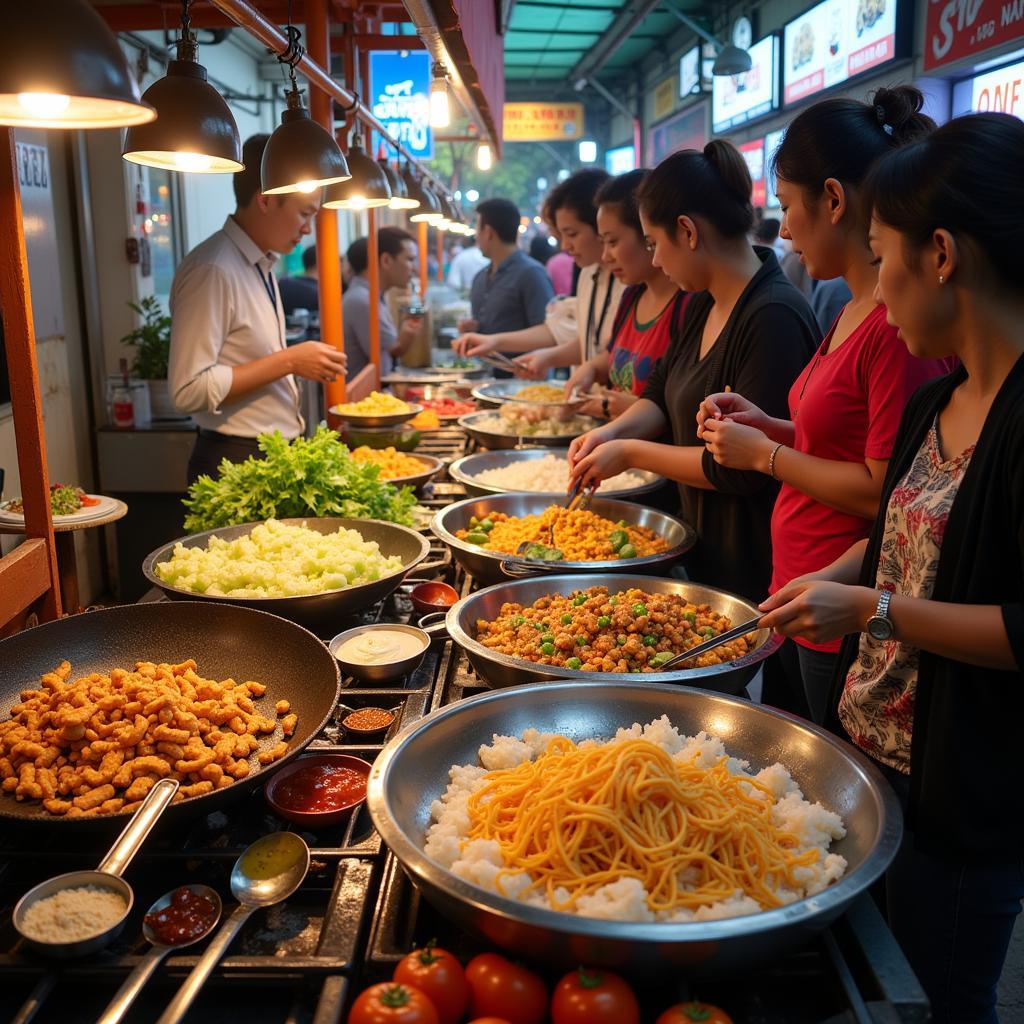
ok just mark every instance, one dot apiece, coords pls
pixel 877 706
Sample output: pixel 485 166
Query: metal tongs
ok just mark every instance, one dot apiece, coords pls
pixel 709 645
pixel 498 360
pixel 578 498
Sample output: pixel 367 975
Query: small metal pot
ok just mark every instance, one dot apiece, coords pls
pixel 388 671
pixel 489 439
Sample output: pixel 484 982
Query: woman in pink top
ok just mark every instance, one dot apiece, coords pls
pixel 831 454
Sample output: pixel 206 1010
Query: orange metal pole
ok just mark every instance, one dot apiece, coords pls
pixel 373 273
pixel 422 225
pixel 332 328
pixel 29 576
pixel 440 256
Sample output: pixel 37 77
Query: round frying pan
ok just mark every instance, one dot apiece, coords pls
pixel 225 641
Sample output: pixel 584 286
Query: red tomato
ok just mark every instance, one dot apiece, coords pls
pixel 499 987
pixel 694 1013
pixel 490 1020
pixel 594 997
pixel 388 1003
pixel 439 976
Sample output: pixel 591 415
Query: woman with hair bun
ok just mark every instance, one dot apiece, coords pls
pixel 748 330
pixel 931 673
pixel 832 449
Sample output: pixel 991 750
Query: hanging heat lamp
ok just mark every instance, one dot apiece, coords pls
pixel 195 131
pixel 399 193
pixel 300 156
pixel 429 209
pixel 440 108
pixel 61 67
pixel 484 157
pixel 366 188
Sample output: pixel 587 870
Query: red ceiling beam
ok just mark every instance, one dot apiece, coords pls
pixel 138 17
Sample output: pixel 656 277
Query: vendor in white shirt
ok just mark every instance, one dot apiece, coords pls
pixel 576 328
pixel 229 364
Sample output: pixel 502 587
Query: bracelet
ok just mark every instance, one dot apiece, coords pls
pixel 771 460
pixel 604 408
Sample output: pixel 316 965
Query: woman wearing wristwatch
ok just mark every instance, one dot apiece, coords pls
pixel 932 604
pixel 831 452
pixel 649 313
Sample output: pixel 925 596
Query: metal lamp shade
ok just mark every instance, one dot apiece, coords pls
pixel 61 67
pixel 731 60
pixel 195 130
pixel 430 205
pixel 399 194
pixel 367 187
pixel 300 156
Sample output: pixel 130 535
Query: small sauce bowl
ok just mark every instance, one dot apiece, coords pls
pixel 384 671
pixel 433 597
pixel 367 732
pixel 276 790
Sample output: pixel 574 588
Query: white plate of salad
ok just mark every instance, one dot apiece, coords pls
pixel 68 504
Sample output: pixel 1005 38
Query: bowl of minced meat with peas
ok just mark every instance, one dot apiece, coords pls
pixel 594 630
pixel 510 534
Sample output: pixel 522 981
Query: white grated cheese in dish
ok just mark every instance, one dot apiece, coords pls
pixel 71 915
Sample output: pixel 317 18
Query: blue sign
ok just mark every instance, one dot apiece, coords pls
pixel 400 98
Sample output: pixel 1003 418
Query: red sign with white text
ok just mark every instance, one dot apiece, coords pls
pixel 753 153
pixel 955 29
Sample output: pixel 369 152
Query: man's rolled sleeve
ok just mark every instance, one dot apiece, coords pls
pixel 199 322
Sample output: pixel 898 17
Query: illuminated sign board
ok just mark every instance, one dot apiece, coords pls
pixel 833 42
pixel 685 130
pixel 689 72
pixel 999 91
pixel 400 98
pixel 954 29
pixel 753 153
pixel 620 160
pixel 737 99
pixel 543 122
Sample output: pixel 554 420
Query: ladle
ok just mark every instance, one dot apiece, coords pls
pixel 269 871
pixel 136 981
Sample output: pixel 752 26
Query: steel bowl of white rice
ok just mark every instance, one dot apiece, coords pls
pixel 540 471
pixel 829 793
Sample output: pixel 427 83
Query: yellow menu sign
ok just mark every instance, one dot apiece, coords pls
pixel 543 122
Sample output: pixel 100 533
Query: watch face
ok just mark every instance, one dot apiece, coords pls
pixel 879 628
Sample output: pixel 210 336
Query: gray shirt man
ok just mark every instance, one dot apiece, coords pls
pixel 355 311
pixel 511 296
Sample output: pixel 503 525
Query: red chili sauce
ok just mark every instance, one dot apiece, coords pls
pixel 186 918
pixel 321 787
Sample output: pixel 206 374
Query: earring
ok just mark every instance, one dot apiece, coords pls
pixel 942 279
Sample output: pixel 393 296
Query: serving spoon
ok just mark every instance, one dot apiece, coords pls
pixel 134 983
pixel 268 871
pixel 709 645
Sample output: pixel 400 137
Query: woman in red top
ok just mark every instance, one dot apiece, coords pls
pixel 650 307
pixel 831 454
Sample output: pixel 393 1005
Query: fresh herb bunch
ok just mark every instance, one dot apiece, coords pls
pixel 151 340
pixel 306 477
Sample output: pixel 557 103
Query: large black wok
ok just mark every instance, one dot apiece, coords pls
pixel 225 641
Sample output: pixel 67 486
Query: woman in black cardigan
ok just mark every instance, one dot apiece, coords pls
pixel 931 682
pixel 746 328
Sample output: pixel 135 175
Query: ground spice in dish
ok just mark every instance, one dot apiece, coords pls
pixel 73 914
pixel 187 917
pixel 368 720
pixel 316 788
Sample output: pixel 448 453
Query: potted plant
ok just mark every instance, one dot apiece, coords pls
pixel 152 343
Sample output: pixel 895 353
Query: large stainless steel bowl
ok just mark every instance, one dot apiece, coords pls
pixel 502 670
pixel 413 769
pixel 491 566
pixel 314 610
pixel 467 469
pixel 496 393
pixel 490 439
pixel 414 384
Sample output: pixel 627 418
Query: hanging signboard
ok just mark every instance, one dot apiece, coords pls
pixel 999 91
pixel 833 42
pixel 753 153
pixel 400 98
pixel 543 122
pixel 685 130
pixel 689 72
pixel 664 98
pixel 772 141
pixel 620 160
pixel 955 29
pixel 737 99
